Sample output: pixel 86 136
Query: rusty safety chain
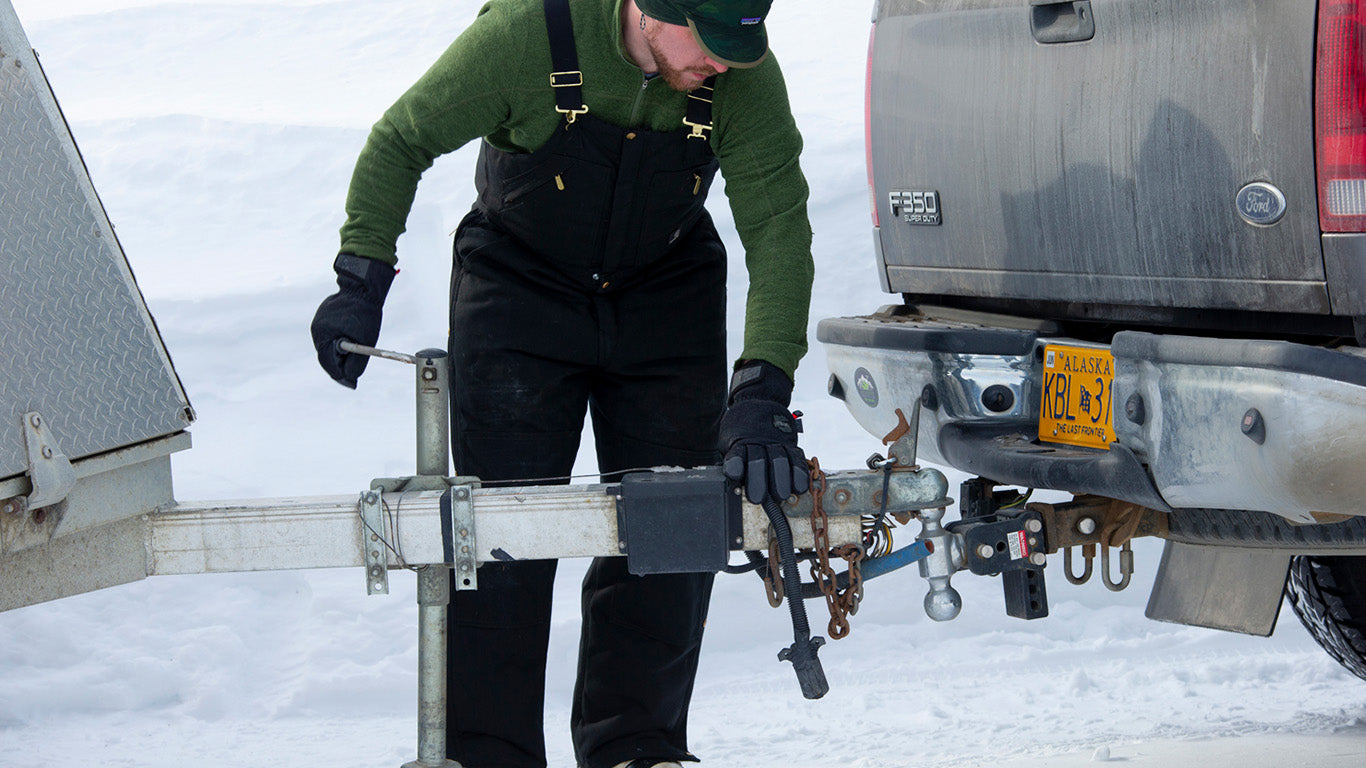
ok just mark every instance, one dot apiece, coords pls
pixel 773 582
pixel 842 604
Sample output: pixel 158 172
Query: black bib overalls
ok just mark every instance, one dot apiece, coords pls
pixel 588 277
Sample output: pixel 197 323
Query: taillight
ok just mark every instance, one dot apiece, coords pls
pixel 868 126
pixel 1340 115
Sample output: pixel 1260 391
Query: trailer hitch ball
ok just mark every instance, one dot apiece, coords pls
pixel 943 603
pixel 946 557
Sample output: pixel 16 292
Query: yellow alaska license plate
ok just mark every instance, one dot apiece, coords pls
pixel 1076 396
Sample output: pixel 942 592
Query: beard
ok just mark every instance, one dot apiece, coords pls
pixel 681 79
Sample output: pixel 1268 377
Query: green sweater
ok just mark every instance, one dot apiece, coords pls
pixel 494 82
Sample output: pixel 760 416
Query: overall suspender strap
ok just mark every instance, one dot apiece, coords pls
pixel 699 109
pixel 566 79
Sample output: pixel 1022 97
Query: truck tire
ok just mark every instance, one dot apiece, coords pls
pixel 1329 596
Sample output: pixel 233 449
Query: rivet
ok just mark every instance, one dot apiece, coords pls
pixel 35 420
pixel 1038 558
pixel 1134 409
pixel 985 552
pixel 47 452
pixel 1034 526
pixel 1254 426
pixel 1086 526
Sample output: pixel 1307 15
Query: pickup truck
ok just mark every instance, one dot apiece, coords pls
pixel 1129 244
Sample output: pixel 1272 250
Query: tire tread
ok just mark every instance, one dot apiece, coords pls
pixel 1329 596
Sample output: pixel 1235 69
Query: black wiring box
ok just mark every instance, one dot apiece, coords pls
pixel 677 521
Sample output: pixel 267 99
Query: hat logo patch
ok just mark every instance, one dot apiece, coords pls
pixel 752 21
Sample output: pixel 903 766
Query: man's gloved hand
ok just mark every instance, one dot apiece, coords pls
pixel 759 434
pixel 353 314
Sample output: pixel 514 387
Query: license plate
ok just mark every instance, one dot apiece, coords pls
pixel 1076 407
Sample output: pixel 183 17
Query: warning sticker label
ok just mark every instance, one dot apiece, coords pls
pixel 1019 545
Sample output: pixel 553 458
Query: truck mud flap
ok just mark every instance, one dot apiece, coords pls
pixel 1012 458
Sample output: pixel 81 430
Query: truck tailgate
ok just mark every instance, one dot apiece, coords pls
pixel 1102 170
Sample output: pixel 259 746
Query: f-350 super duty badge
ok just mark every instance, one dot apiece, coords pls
pixel 915 206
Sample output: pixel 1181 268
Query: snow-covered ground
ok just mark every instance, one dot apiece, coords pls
pixel 221 137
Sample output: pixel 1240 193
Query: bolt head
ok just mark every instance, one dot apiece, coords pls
pixel 1034 526
pixel 1038 558
pixel 985 552
pixel 1086 526
pixel 35 420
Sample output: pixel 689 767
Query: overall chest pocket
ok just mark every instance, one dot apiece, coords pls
pixel 558 206
pixel 672 204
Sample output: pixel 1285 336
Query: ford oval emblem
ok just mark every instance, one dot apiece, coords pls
pixel 1261 204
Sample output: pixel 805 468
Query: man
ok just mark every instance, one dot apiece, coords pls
pixel 589 275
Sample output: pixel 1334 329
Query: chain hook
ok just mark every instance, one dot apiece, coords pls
pixel 1126 567
pixel 1088 552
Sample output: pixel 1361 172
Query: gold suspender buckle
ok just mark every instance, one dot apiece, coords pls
pixel 699 129
pixel 569 80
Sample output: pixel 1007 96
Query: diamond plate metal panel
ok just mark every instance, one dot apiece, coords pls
pixel 76 341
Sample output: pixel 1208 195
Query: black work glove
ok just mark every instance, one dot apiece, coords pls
pixel 352 314
pixel 759 434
